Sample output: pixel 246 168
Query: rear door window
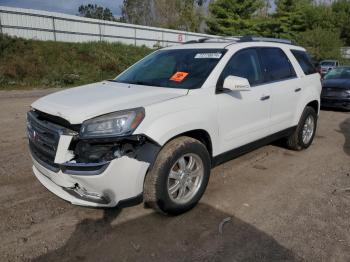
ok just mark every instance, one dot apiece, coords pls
pixel 276 65
pixel 304 61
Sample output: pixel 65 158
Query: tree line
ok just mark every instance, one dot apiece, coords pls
pixel 185 15
pixel 323 28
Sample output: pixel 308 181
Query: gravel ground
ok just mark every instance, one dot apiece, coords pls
pixel 270 205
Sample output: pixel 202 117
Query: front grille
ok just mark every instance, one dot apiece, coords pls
pixel 43 138
pixel 332 92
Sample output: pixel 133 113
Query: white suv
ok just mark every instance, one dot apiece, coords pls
pixel 154 132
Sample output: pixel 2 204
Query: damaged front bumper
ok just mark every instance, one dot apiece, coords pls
pixel 120 182
pixel 96 173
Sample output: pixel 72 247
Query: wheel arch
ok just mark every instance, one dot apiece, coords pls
pixel 315 105
pixel 199 134
pixel 312 102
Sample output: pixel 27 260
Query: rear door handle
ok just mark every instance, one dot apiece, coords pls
pixel 297 90
pixel 263 98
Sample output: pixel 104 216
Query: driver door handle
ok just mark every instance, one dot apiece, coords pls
pixel 263 98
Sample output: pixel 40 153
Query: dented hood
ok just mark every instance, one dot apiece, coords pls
pixel 81 103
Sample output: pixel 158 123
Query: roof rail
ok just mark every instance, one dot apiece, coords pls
pixel 213 40
pixel 240 39
pixel 200 40
pixel 249 38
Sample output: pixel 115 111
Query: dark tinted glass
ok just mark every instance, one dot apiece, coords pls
pixel 328 63
pixel 304 61
pixel 180 68
pixel 338 73
pixel 244 64
pixel 276 64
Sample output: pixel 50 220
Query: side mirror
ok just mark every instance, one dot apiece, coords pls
pixel 235 83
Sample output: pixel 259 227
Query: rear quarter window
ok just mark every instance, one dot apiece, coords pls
pixel 304 61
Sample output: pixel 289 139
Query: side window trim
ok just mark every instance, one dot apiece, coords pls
pixel 219 87
pixel 279 80
pixel 263 72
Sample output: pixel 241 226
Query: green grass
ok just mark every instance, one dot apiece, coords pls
pixel 43 64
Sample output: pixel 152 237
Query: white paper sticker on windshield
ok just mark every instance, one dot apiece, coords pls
pixel 208 56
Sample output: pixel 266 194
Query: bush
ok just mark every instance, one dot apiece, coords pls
pixel 31 63
pixel 322 43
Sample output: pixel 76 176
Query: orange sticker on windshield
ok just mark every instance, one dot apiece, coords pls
pixel 179 76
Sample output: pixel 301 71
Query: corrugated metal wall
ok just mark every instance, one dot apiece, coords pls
pixel 42 25
pixel 346 52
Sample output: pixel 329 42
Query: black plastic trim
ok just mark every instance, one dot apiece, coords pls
pixel 129 202
pixel 147 152
pixel 82 169
pixel 133 137
pixel 229 155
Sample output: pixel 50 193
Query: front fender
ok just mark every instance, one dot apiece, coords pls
pixel 165 127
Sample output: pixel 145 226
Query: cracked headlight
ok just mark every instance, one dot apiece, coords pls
pixel 114 124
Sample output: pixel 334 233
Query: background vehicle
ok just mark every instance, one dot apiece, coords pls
pixel 327 65
pixel 336 88
pixel 155 131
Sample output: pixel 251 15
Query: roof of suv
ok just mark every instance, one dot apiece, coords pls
pixel 222 43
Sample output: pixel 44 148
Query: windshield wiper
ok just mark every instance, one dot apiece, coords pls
pixel 131 83
pixel 141 83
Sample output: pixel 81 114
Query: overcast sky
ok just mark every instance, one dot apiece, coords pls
pixel 63 6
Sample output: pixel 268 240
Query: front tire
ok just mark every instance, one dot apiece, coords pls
pixel 304 134
pixel 178 177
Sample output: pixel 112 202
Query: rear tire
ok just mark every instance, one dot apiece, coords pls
pixel 304 134
pixel 178 177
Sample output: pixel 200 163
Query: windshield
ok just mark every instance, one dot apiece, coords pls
pixel 338 73
pixel 179 68
pixel 328 63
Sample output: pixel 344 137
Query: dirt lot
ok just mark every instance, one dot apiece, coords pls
pixel 283 205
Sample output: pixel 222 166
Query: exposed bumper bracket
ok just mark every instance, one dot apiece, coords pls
pixel 82 194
